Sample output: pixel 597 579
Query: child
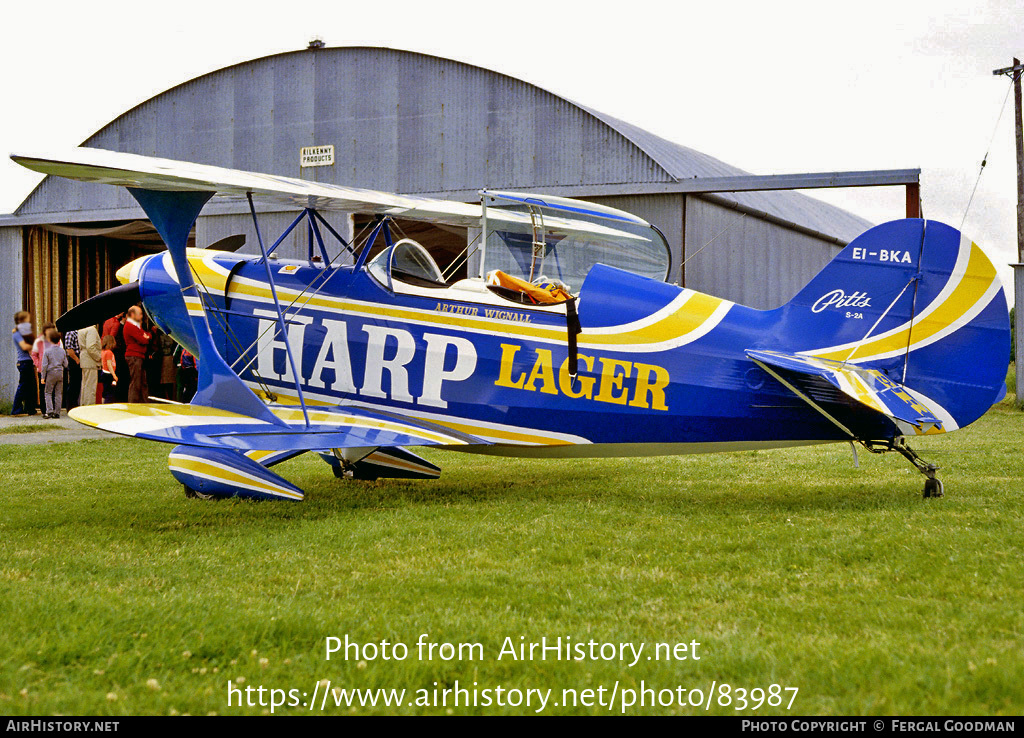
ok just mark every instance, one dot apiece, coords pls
pixel 108 368
pixel 51 369
pixel 39 346
pixel 25 395
pixel 188 375
pixel 41 343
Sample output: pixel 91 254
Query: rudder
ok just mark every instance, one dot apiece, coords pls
pixel 917 301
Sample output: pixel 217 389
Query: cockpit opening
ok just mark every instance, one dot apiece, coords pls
pixel 407 261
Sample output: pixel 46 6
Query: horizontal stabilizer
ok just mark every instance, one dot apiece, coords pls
pixel 869 387
pixel 198 425
pixel 220 472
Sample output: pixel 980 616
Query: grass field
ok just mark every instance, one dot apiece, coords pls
pixel 789 567
pixel 30 428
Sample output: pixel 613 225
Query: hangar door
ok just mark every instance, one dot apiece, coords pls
pixel 66 264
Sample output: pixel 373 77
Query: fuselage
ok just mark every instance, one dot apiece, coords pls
pixel 661 369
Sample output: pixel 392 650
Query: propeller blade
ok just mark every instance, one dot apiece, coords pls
pixel 97 309
pixel 230 243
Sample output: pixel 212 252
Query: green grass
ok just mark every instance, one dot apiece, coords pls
pixel 790 567
pixel 31 428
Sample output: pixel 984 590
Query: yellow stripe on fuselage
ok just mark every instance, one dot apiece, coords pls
pixel 397 463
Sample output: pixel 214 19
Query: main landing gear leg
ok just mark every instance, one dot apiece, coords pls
pixel 932 485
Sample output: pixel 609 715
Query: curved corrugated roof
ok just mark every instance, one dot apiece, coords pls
pixel 682 162
pixel 404 121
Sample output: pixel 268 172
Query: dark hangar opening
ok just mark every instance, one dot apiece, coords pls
pixel 65 264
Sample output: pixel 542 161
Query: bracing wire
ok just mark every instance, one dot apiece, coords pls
pixel 285 311
pixel 460 257
pixel 735 222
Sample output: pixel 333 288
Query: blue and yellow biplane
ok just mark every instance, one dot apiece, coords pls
pixel 545 348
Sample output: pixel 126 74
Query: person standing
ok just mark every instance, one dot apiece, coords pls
pixel 108 370
pixel 89 343
pixel 188 376
pixel 40 345
pixel 73 374
pixel 168 370
pixel 51 370
pixel 112 325
pixel 136 342
pixel 25 395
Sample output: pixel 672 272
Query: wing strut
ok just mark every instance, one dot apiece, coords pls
pixel 277 305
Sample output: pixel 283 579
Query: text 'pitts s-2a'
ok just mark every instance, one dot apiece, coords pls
pixel 548 343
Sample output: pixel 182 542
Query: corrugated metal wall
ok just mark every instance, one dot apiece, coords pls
pixel 750 261
pixel 10 303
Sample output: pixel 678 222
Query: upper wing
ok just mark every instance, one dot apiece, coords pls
pixel 151 173
pixel 198 425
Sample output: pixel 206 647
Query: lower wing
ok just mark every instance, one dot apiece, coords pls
pixel 198 425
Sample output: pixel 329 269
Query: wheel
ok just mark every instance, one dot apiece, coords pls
pixel 193 495
pixel 933 488
pixel 341 472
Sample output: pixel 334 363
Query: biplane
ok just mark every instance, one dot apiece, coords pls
pixel 560 336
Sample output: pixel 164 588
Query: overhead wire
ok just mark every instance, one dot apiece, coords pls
pixel 992 138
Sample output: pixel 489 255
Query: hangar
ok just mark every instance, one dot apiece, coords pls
pixel 412 123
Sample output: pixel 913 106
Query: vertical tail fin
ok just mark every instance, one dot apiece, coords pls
pixel 917 301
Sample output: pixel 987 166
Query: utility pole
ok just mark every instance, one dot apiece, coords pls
pixel 1018 269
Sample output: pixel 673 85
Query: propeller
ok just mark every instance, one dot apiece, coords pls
pixel 97 309
pixel 230 243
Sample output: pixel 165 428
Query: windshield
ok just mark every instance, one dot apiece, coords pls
pixel 543 238
pixel 409 262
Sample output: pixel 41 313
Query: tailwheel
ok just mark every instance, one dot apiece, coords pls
pixel 932 485
pixel 933 488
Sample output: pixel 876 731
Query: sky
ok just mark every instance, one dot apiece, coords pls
pixel 771 87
